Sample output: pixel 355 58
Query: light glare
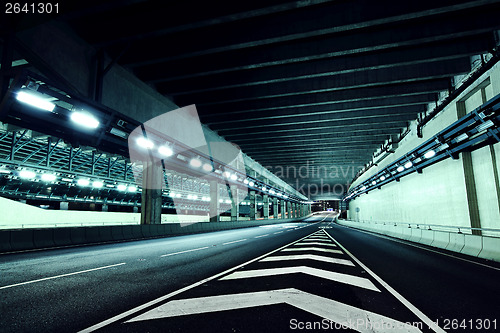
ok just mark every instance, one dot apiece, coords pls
pixel 35 101
pixel 84 119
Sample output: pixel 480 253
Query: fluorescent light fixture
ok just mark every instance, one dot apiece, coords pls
pixel 484 126
pixel 33 99
pixel 279 194
pixel 401 168
pixel 264 188
pixel 165 151
pixel 430 154
pixel 207 167
pixel 132 189
pixel 110 186
pixel 363 188
pixel 48 177
pixel 172 194
pixel 408 165
pixel 4 171
pixel 285 196
pixel 118 132
pixel 83 182
pixel 245 181
pixel 144 143
pixel 234 177
pixel 221 201
pixel 271 192
pixel 121 187
pixel 178 195
pixel 97 184
pixel 461 137
pixel 251 184
pixel 84 119
pixel 226 174
pixel 27 174
pixel 374 183
pixel 195 162
pixel 67 180
pixel 382 178
pixel 228 201
pixel 444 146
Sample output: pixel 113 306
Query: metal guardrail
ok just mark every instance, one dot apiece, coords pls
pixel 435 227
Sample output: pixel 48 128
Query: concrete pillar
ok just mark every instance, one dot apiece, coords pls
pixel 470 182
pixel 104 207
pixel 151 200
pixel 289 209
pixel 283 209
pixel 265 203
pixel 235 206
pixel 253 205
pixel 63 205
pixel 214 201
pixel 275 207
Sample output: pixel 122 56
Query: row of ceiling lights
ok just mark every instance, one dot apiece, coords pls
pixel 414 159
pixel 197 163
pixel 87 120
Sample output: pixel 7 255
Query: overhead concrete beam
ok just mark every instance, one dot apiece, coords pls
pixel 372 78
pixel 325 98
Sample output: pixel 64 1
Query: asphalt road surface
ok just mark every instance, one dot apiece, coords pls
pixel 301 276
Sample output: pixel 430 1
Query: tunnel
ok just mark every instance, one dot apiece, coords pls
pixel 250 166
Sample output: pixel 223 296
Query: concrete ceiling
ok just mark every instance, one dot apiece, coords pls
pixel 296 84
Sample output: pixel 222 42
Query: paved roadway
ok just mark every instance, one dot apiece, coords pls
pixel 280 278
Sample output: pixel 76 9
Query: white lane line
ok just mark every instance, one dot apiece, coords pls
pixel 333 276
pixel 430 323
pixel 236 241
pixel 310 257
pixel 278 232
pixel 179 291
pixel 262 236
pixel 320 306
pixel 62 275
pixel 312 249
pixel 175 253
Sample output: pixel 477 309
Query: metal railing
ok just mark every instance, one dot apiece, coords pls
pixel 435 227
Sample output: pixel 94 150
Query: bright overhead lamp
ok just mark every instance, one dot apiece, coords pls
pixel 430 154
pixel 234 177
pixel 36 100
pixel 374 183
pixel 195 162
pixel 121 187
pixel 279 194
pixel 27 174
pixel 171 194
pixel 5 171
pixel 132 189
pixel 285 196
pixel 144 143
pixel 363 188
pixel 251 184
pixel 408 165
pixel 48 177
pixel 165 151
pixel 84 119
pixel 382 178
pixel 221 201
pixel 484 126
pixel 83 182
pixel 400 168
pixel 461 137
pixel 264 188
pixel 228 201
pixel 207 167
pixel 97 184
pixel 226 174
pixel 178 195
pixel 245 181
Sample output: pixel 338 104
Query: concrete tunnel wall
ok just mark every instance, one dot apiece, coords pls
pixel 438 195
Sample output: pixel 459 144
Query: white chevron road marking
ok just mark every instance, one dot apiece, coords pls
pixel 310 257
pixel 333 276
pixel 316 243
pixel 343 314
pixel 312 248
